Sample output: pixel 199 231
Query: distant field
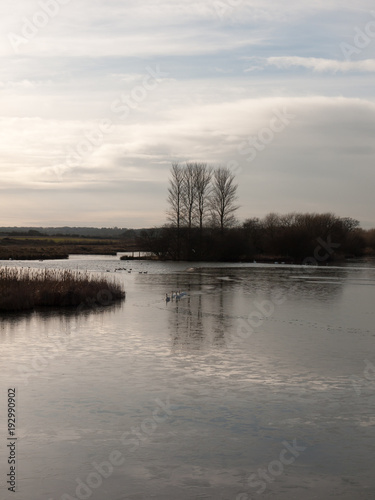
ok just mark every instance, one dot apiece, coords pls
pixel 60 247
pixel 65 240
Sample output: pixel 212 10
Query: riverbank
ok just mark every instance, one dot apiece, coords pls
pixel 46 248
pixel 25 289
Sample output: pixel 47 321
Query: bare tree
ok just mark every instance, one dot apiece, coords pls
pixel 203 175
pixel 223 197
pixel 175 200
pixel 189 195
pixel 175 195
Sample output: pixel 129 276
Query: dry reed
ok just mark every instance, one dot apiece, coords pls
pixel 33 288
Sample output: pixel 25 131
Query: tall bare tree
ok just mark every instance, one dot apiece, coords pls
pixel 175 200
pixel 189 195
pixel 203 176
pixel 223 198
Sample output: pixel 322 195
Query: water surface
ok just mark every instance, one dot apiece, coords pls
pixel 198 397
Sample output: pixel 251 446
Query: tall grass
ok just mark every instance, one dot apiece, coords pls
pixel 32 288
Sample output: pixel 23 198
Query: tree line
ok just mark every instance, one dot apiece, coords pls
pixel 202 203
pixel 289 238
pixel 297 236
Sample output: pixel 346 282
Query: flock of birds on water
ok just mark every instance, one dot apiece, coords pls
pixel 168 297
pixel 125 269
pixel 174 295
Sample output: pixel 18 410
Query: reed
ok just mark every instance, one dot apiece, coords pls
pixel 22 289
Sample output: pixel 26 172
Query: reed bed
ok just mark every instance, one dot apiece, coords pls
pixel 22 289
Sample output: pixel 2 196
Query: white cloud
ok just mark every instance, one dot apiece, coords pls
pixel 322 65
pixel 130 44
pixel 310 163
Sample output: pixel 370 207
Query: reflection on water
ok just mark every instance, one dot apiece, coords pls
pixel 191 328
pixel 216 299
pixel 88 384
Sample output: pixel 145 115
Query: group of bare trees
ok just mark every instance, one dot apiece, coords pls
pixel 200 196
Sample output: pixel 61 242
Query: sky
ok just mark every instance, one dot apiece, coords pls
pixel 98 98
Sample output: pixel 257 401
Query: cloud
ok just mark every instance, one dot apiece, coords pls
pixel 322 65
pixel 150 28
pixel 309 164
pixel 117 28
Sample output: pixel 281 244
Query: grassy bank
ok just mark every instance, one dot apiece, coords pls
pixel 32 248
pixel 22 289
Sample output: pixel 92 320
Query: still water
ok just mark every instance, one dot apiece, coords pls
pixel 258 383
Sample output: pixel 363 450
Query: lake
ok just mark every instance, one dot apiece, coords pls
pixel 258 383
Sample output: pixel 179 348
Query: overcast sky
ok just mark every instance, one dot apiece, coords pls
pixel 99 97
